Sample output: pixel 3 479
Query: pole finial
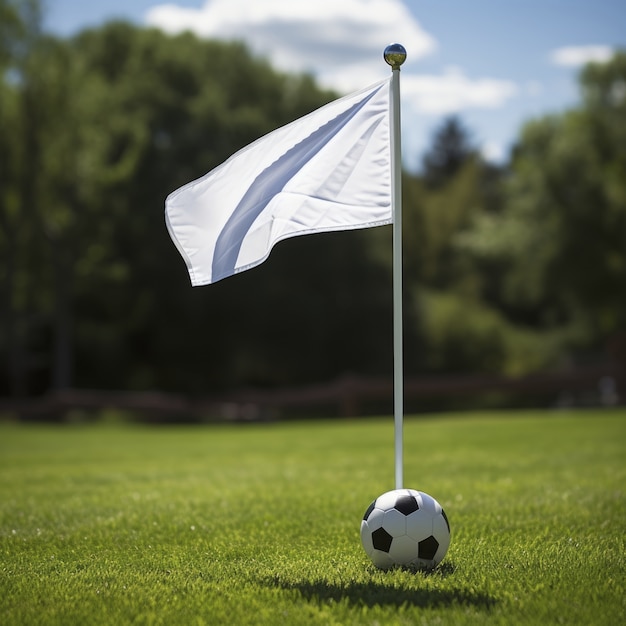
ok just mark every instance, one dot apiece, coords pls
pixel 395 55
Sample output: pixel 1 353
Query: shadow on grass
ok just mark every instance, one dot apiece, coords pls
pixel 375 592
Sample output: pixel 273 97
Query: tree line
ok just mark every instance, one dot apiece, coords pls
pixel 508 269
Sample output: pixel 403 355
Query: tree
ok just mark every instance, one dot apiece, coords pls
pixel 449 152
pixel 20 32
pixel 561 238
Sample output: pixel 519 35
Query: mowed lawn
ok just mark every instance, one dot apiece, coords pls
pixel 259 524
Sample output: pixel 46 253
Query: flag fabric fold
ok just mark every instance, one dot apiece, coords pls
pixel 329 170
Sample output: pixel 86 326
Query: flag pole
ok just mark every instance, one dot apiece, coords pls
pixel 395 55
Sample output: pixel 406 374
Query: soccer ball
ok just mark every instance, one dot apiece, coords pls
pixel 405 528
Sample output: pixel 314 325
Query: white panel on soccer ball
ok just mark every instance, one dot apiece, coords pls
pixel 388 499
pixel 430 505
pixel 403 550
pixel 419 525
pixel 375 518
pixel 439 556
pixel 394 522
pixel 366 538
pixel 442 534
pixel 382 560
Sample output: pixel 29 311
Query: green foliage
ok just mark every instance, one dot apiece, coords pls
pixel 463 333
pixel 450 150
pixel 434 218
pixel 544 251
pixel 260 525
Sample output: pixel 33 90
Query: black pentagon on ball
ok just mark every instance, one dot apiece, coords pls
pixel 382 540
pixel 427 548
pixel 406 505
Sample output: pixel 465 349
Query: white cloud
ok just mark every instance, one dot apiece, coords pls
pixel 575 56
pixel 493 151
pixel 339 41
pixel 453 91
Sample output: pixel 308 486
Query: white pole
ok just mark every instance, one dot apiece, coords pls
pixel 395 55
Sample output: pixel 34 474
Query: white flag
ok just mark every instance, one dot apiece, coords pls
pixel 329 170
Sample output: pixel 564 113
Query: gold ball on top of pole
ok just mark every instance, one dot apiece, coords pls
pixel 395 55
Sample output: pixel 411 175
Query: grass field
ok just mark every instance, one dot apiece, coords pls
pixel 259 524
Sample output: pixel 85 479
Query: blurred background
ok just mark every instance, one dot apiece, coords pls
pixel 514 258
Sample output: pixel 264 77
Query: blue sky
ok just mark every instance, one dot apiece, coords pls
pixel 495 63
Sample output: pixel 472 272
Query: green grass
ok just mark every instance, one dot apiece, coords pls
pixel 260 524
